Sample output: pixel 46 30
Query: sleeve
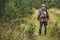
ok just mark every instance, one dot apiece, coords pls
pixel 47 15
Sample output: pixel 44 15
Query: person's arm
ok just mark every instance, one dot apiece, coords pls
pixel 47 15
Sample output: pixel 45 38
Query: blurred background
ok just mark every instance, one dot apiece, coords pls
pixel 18 20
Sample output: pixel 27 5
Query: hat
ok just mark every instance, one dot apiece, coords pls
pixel 43 5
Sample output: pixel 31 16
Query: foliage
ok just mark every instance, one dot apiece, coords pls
pixel 19 20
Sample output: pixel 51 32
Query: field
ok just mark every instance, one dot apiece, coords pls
pixel 29 30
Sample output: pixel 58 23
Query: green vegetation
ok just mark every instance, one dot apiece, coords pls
pixel 18 21
pixel 29 30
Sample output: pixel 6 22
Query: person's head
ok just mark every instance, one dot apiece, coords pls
pixel 43 7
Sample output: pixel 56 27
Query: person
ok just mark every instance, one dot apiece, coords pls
pixel 43 18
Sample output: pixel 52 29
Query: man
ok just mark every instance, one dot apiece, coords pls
pixel 43 18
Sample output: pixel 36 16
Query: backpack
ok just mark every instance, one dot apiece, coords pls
pixel 43 8
pixel 43 14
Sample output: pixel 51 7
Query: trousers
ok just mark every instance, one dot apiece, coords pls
pixel 45 27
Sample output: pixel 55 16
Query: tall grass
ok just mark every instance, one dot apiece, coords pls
pixel 29 30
